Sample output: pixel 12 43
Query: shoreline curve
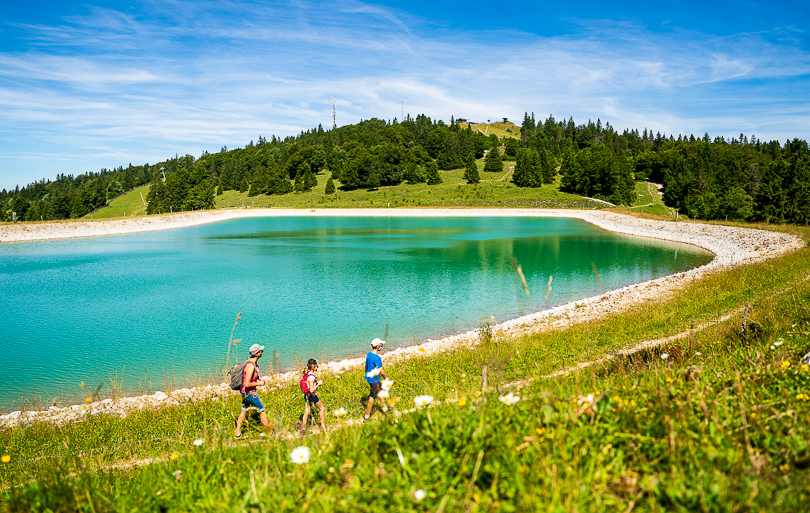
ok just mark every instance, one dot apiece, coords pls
pixel 732 247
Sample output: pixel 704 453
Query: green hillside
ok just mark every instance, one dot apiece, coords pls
pixel 127 205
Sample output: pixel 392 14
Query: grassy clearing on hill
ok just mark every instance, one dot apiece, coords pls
pixel 720 424
pixel 500 129
pixel 127 205
pixel 493 191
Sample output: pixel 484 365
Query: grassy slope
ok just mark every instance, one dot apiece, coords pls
pixel 500 129
pixel 494 191
pixel 730 437
pixel 126 205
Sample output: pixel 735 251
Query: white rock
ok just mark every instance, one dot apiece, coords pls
pixel 160 396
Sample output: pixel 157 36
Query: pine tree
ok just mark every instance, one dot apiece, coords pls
pixel 309 180
pixel 493 161
pixel 522 176
pixel 299 183
pixel 330 186
pixel 373 181
pixel 433 177
pixel 471 170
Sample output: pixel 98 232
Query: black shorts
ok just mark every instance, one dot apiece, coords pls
pixel 375 389
pixel 313 398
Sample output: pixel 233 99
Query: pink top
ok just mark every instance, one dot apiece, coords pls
pixel 247 390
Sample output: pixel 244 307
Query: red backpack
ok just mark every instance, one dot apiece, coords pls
pixel 303 383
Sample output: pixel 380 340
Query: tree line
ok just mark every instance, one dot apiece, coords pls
pixel 741 178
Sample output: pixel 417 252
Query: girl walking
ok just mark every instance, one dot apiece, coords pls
pixel 309 385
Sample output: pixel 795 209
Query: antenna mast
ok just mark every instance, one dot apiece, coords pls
pixel 334 122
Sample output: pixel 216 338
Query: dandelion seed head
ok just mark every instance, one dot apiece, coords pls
pixel 419 494
pixel 198 442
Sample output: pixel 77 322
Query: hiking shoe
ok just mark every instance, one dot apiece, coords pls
pixel 239 437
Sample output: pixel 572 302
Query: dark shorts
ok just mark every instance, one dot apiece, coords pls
pixel 312 398
pixel 375 389
pixel 252 400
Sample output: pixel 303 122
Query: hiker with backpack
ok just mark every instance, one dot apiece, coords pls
pixel 309 384
pixel 373 372
pixel 245 378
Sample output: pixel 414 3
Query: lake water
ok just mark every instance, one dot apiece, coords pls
pixel 158 307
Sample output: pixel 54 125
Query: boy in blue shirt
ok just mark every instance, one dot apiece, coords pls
pixel 373 372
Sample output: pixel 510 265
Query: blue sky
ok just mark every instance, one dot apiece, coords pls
pixel 86 85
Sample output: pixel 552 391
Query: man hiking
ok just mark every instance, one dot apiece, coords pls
pixel 373 372
pixel 250 398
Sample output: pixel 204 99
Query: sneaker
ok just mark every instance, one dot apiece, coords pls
pixel 239 436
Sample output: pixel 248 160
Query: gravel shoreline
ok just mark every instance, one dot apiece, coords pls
pixel 731 246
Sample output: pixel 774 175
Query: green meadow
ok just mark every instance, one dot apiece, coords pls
pixel 717 420
pixel 129 204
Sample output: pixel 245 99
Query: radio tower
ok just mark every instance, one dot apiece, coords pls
pixel 334 122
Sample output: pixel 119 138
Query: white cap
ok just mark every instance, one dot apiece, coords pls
pixel 255 349
pixel 377 342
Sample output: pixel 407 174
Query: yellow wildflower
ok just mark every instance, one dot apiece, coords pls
pixel 805 368
pixel 669 380
pixel 88 400
pixel 784 468
pixel 5 458
pixel 462 402
pixel 540 431
pixel 785 364
pixel 174 456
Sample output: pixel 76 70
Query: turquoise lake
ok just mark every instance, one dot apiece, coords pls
pixel 157 308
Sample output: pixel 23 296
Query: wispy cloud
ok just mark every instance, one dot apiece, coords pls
pixel 103 88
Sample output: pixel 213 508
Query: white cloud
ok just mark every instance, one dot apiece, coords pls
pixel 186 77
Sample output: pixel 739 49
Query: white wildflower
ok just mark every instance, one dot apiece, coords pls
pixel 419 494
pixel 383 394
pixel 300 455
pixel 697 353
pixel 373 373
pixel 664 356
pixel 340 412
pixel 178 474
pixel 509 399
pixel 423 400
pixel 584 399
pixel 387 384
pixel 198 442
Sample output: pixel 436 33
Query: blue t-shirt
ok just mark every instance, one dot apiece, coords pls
pixel 372 362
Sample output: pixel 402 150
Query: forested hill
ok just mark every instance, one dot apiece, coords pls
pixel 704 178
